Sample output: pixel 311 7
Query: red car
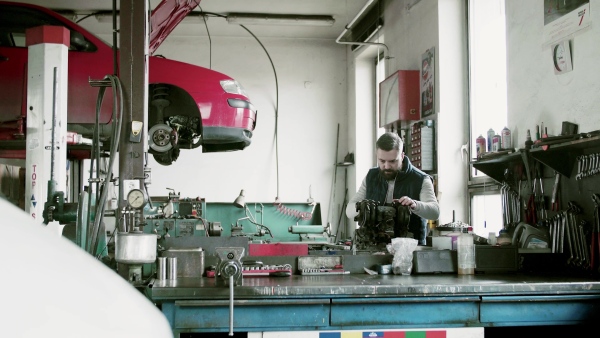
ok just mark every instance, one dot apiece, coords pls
pixel 194 106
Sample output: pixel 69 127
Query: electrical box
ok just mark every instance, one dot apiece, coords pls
pixel 399 97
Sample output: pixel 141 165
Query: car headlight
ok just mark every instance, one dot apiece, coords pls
pixel 233 87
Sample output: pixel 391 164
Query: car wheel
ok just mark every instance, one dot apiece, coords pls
pixel 162 138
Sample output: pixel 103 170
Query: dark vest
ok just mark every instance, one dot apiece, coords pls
pixel 408 183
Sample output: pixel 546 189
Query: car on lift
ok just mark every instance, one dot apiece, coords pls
pixel 188 106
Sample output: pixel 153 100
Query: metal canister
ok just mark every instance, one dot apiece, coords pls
pixel 496 140
pixel 171 268
pixel 490 135
pixel 161 270
pixel 480 145
pixel 506 142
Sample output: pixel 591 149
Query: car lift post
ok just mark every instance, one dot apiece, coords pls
pixel 47 89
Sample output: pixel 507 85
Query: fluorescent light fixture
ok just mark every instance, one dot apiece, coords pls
pixel 106 17
pixel 280 19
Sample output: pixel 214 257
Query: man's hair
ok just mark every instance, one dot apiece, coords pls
pixel 390 141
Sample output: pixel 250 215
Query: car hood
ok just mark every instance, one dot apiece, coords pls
pixel 165 17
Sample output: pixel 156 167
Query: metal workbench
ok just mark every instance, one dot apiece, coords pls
pixel 362 301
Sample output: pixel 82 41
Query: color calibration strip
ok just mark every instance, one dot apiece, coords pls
pixel 384 334
pixel 462 332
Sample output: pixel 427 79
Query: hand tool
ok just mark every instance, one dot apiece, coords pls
pixel 595 243
pixel 585 251
pixel 555 189
pixel 567 227
pixel 573 210
pixel 541 199
pixel 530 212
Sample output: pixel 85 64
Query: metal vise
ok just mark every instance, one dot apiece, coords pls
pixel 380 223
pixel 229 267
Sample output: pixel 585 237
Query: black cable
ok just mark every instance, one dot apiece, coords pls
pixel 85 17
pixel 251 220
pixel 276 107
pixel 208 35
pixel 117 120
pixel 276 96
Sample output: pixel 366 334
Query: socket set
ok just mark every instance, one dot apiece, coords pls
pixel 323 271
pixel 268 270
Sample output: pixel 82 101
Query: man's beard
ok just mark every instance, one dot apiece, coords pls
pixel 388 174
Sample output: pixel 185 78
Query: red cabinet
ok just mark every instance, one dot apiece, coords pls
pixel 399 97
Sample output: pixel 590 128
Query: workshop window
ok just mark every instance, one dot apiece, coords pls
pixel 487 103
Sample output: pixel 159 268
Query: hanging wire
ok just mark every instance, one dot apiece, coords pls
pixel 117 120
pixel 275 136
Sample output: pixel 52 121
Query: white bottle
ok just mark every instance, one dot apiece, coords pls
pixel 466 254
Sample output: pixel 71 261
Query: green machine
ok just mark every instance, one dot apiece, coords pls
pixel 174 216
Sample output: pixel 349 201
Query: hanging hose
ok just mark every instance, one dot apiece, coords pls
pixel 117 121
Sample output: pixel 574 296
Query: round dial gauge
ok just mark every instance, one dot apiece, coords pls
pixel 136 198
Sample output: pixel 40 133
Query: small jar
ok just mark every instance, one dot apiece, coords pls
pixel 504 238
pixel 492 238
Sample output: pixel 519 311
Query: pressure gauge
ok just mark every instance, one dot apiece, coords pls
pixel 136 198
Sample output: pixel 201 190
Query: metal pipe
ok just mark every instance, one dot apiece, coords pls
pixel 231 305
pixel 348 26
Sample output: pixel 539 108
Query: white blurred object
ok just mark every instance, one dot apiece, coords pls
pixel 56 228
pixel 56 289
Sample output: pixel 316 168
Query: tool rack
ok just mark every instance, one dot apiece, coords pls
pixel 566 169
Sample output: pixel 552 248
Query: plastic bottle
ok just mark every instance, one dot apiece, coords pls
pixel 466 254
pixel 528 141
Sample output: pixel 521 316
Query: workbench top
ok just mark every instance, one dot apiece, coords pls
pixel 364 285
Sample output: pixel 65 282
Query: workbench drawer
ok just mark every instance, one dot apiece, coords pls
pixel 213 315
pixel 540 310
pixel 350 312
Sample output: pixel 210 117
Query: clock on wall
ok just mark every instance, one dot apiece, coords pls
pixel 561 57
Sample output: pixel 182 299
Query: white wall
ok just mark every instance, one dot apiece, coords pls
pixel 312 101
pixel 535 93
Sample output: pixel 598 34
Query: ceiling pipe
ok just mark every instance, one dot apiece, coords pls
pixel 348 26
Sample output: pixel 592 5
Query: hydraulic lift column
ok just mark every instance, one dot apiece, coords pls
pixel 46 148
pixel 133 64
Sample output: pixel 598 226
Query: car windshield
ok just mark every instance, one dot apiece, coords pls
pixel 15 20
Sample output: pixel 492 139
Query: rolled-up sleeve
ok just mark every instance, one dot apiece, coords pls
pixel 427 207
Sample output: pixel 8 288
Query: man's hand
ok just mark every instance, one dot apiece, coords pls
pixel 407 201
